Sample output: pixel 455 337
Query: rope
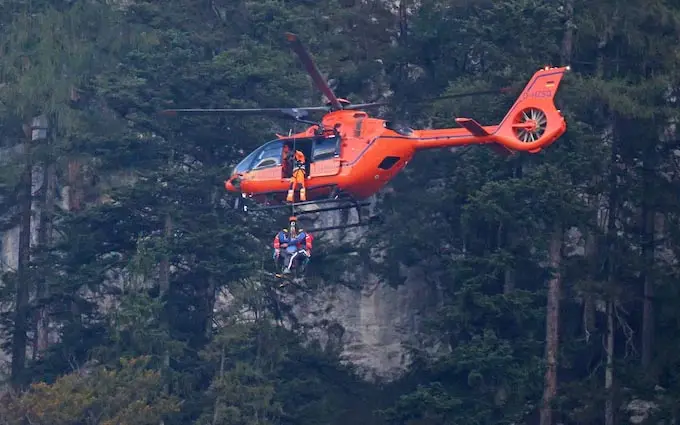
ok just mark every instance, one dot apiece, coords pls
pixel 292 158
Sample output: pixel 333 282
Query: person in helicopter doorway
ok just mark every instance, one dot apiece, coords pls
pixel 297 181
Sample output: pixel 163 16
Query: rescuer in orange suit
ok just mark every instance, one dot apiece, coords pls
pixel 298 179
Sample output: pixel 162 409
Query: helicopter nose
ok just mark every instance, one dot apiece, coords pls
pixel 232 185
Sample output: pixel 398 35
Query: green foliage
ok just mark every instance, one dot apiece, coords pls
pixel 130 393
pixel 261 374
pixel 139 272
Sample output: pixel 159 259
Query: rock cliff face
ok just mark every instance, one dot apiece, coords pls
pixel 370 327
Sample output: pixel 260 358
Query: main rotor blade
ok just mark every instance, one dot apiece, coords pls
pixel 293 112
pixel 313 71
pixel 431 99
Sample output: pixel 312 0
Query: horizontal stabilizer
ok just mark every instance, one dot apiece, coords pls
pixel 472 126
pixel 477 130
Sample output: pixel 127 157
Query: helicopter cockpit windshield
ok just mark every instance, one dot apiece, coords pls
pixel 267 155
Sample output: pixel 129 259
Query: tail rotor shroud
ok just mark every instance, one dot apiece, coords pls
pixel 530 125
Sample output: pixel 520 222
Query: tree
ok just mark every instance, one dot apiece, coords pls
pixel 98 395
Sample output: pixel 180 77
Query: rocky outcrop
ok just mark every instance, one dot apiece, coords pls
pixel 370 327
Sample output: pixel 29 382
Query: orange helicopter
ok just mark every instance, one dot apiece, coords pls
pixel 351 156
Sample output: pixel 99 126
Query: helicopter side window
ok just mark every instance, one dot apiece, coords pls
pixel 269 156
pixel 267 162
pixel 325 148
pixel 244 165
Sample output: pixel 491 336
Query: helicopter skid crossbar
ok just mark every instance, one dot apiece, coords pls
pixel 299 204
pixel 345 202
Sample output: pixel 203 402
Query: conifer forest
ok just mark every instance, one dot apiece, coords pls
pixel 532 289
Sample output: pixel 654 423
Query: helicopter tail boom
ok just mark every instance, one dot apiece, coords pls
pixel 532 123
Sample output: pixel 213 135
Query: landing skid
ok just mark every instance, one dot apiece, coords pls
pixel 297 205
pixel 302 208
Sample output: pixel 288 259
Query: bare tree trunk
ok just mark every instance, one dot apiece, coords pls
pixel 402 38
pixel 211 292
pixel 510 239
pixel 588 297
pixel 610 233
pixel 648 243
pixel 19 335
pixel 648 305
pixel 505 240
pixel 164 272
pixel 44 239
pixel 611 249
pixel 164 286
pixel 509 280
pixel 217 405
pixel 211 298
pixel 552 327
pixel 568 38
pixel 74 185
pixel 609 371
pixel 403 21
pixel 74 204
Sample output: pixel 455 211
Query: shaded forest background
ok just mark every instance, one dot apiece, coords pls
pixel 557 272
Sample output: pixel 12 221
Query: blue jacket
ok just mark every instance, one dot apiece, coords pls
pixel 299 240
pixel 281 238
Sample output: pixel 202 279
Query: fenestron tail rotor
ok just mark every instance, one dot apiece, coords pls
pixel 530 124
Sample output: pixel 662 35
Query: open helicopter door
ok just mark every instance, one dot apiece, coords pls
pixel 325 159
